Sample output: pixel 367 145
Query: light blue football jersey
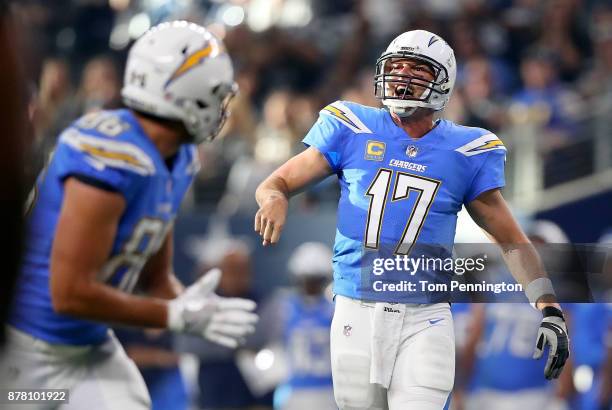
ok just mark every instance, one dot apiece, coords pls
pixel 400 196
pixel 504 355
pixel 306 336
pixel 590 332
pixel 108 148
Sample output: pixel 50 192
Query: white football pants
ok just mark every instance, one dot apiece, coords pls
pixel 97 377
pixel 424 370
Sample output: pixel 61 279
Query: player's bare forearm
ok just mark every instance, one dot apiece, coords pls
pixel 273 194
pixel 102 303
pixel 274 186
pixel 148 356
pixel 157 277
pixel 169 288
pixel 467 357
pixel 83 241
pixel 492 214
pixel 294 175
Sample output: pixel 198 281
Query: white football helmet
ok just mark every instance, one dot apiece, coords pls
pixel 311 259
pixel 421 45
pixel 180 71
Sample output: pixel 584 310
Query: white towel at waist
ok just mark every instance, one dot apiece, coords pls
pixel 386 334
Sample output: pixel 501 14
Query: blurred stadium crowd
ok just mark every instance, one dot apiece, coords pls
pixel 536 72
pixel 546 64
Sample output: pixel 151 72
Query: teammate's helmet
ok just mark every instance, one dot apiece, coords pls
pixel 180 71
pixel 311 260
pixel 424 46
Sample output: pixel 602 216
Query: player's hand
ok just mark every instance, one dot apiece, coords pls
pixel 199 311
pixel 270 219
pixel 553 333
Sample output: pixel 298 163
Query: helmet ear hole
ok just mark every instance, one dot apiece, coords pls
pixel 201 104
pixel 216 89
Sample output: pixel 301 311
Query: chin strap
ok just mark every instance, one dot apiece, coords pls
pixel 403 112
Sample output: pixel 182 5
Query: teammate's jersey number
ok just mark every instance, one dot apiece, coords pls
pixel 512 331
pixel 309 349
pixel 146 239
pixel 426 189
pixel 108 125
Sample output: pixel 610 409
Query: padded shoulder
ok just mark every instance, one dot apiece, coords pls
pixel 354 116
pixel 474 141
pixel 101 152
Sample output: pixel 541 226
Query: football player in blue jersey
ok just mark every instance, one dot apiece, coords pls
pixel 100 226
pixel 306 318
pixel 403 177
pixel 501 337
pixel 592 325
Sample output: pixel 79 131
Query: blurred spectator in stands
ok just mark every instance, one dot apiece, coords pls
pixel 361 91
pixel 601 37
pixel 551 103
pixel 232 145
pixel 274 136
pixel 99 88
pixel 596 84
pixel 478 104
pixel 152 352
pixel 100 85
pixel 54 96
pixel 562 36
pixel 275 142
pixel 302 114
pixel 468 46
pixel 221 385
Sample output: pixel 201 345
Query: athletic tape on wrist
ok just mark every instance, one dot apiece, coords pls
pixel 538 288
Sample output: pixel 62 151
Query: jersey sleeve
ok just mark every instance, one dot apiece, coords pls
pixel 115 164
pixel 326 136
pixel 489 175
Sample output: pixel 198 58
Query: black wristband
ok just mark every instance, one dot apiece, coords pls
pixel 552 311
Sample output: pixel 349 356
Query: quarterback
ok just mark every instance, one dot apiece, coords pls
pixel 100 227
pixel 404 176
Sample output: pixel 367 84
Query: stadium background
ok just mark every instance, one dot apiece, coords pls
pixel 537 73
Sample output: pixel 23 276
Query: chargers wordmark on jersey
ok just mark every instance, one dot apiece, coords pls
pixel 400 207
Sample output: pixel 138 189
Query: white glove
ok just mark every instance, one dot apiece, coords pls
pixel 199 311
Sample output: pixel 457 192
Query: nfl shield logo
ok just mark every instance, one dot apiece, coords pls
pixel 412 151
pixel 347 330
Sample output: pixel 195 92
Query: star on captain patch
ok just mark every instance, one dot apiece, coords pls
pixel 412 151
pixel 347 330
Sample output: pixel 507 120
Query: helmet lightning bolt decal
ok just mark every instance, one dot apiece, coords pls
pixel 432 40
pixel 211 49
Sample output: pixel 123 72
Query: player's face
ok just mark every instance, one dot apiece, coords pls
pixel 412 76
